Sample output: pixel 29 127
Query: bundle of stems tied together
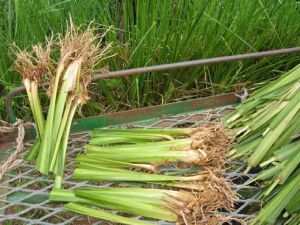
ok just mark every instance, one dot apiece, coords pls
pixel 267 128
pixel 69 77
pixel 174 178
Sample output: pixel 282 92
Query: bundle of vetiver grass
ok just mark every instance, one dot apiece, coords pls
pixel 267 127
pixel 163 174
pixel 69 77
pixel 171 174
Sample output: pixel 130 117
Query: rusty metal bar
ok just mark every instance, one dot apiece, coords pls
pixel 164 67
pixel 193 63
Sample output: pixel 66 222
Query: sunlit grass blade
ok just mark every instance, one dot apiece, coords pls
pixel 112 163
pixel 189 156
pixel 102 214
pixel 43 159
pixel 34 150
pixel 130 206
pixel 271 137
pixel 164 131
pixel 274 207
pixel 103 173
pixel 177 144
pixel 283 153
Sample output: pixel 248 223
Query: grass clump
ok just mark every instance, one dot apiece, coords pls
pixel 69 79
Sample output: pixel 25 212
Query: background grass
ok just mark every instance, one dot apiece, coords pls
pixel 159 31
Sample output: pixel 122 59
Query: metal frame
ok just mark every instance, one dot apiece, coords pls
pixel 147 113
pixel 163 67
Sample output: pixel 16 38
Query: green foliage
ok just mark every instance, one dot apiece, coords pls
pixel 159 31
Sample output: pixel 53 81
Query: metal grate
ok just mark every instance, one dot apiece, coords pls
pixel 24 192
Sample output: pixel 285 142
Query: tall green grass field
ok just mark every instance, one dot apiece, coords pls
pixel 149 32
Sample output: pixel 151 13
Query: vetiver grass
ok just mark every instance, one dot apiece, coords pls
pixel 153 185
pixel 154 32
pixel 267 131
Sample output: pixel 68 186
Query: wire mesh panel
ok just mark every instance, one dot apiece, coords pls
pixel 24 192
